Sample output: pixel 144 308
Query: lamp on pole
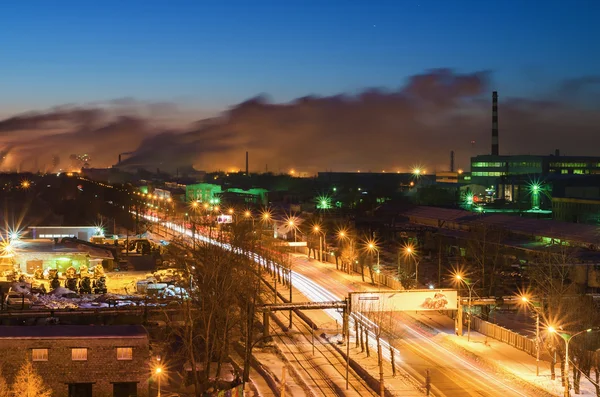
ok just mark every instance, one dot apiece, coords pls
pixel 248 215
pixel 410 252
pixel 371 246
pixel 470 288
pixel 292 224
pixel 343 235
pixel 317 229
pixel 567 338
pixel 537 333
pixel 158 371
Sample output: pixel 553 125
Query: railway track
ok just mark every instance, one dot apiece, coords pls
pixel 299 346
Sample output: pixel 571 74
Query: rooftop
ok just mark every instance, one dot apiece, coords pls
pixel 72 331
pixel 575 232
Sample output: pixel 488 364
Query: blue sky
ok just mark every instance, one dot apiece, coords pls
pixel 214 53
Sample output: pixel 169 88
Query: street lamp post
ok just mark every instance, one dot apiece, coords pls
pixel 158 372
pixel 470 288
pixel 537 334
pixel 372 247
pixel 248 215
pixel 567 338
pixel 292 224
pixel 343 235
pixel 411 253
pixel 318 230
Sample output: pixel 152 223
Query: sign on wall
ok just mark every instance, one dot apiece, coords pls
pixel 415 300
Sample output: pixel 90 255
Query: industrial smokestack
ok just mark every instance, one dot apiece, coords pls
pixel 247 163
pixel 495 123
pixel 119 159
pixel 451 160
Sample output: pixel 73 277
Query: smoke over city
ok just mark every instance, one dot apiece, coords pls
pixel 375 130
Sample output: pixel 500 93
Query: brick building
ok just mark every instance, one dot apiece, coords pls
pixel 80 361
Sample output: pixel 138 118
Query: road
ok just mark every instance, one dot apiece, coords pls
pixel 451 375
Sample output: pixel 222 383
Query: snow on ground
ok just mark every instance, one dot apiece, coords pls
pixel 274 365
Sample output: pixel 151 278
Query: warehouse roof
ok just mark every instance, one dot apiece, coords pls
pixel 72 331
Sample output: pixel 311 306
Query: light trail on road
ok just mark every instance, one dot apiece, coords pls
pixel 431 350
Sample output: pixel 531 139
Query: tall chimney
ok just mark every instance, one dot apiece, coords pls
pixel 451 160
pixel 247 164
pixel 119 159
pixel 495 123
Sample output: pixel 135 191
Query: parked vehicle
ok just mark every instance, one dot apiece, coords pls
pixel 15 300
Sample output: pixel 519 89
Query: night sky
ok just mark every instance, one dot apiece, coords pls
pixel 155 65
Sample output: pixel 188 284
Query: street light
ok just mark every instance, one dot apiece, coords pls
pixel 526 300
pixel 158 371
pixel 317 229
pixel 292 224
pixel 460 279
pixel 409 251
pixel 371 246
pixel 567 338
pixel 248 215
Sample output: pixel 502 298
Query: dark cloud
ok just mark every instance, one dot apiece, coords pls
pixel 433 113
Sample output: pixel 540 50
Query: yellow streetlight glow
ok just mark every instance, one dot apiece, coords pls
pixel 247 214
pixel 371 246
pixel 291 222
pixel 266 216
pixel 552 330
pixel 205 206
pixel 230 211
pixel 524 299
pixel 195 204
pixel 316 228
pixel 458 277
pixel 158 370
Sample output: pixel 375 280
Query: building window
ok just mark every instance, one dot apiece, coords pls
pixel 124 389
pixel 79 354
pixel 124 353
pixel 39 354
pixel 80 389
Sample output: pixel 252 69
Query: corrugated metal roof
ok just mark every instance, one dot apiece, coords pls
pixel 73 331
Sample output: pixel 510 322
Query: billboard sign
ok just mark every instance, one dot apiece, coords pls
pixel 225 219
pixel 415 300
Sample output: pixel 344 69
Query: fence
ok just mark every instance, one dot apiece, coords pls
pixel 502 334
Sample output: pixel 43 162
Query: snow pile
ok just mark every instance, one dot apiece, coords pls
pixel 173 292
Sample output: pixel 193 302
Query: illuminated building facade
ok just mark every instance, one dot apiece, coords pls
pixel 510 175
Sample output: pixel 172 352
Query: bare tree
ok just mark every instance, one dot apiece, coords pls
pixel 28 383
pixel 221 298
pixel 486 251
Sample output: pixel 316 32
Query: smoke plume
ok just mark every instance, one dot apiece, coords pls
pixel 431 114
